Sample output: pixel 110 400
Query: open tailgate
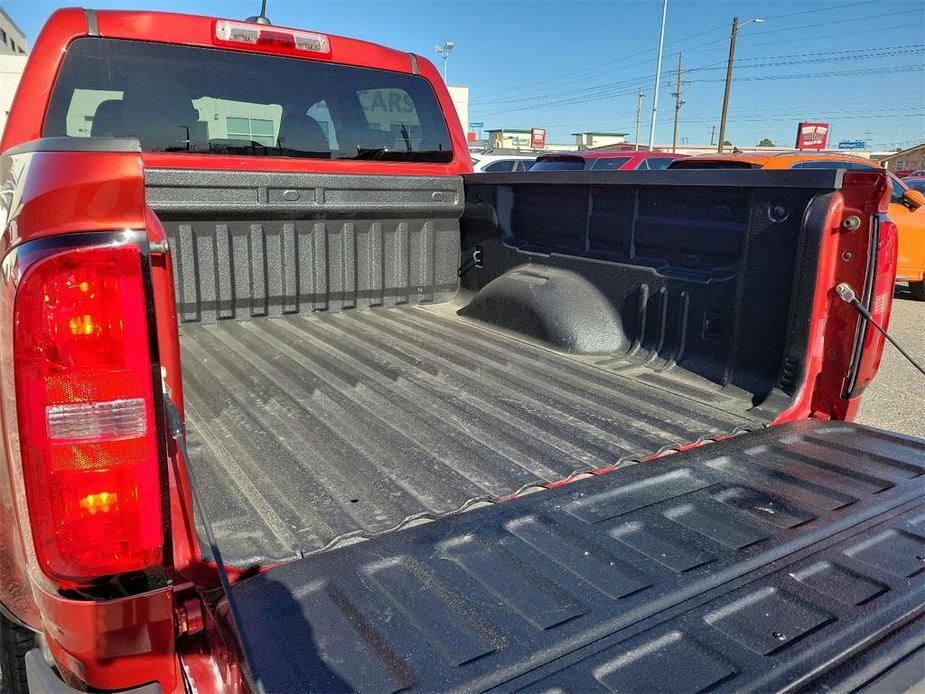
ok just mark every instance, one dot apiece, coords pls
pixel 763 562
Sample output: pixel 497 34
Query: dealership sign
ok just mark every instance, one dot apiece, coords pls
pixel 851 144
pixel 537 138
pixel 812 135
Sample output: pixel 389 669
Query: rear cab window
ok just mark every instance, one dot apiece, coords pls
pixel 209 101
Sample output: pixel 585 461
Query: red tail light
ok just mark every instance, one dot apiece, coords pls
pixel 85 401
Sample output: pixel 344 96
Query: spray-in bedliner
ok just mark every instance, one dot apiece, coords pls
pixel 307 429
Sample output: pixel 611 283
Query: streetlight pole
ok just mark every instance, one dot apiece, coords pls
pixel 658 75
pixel 444 52
pixel 732 53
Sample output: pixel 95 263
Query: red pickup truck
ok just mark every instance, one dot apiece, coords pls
pixel 291 401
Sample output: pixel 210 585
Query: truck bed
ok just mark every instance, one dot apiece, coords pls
pixel 307 430
pixel 359 352
pixel 787 559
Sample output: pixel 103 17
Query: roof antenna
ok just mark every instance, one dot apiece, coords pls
pixel 262 17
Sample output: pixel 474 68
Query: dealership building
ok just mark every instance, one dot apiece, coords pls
pixel 910 159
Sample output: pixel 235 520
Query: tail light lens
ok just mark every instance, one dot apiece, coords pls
pixel 85 402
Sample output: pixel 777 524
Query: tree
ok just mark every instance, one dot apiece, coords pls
pixel 727 143
pixel 766 142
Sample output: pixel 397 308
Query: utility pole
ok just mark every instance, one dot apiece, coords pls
pixel 732 55
pixel 658 75
pixel 678 103
pixel 712 135
pixel 639 117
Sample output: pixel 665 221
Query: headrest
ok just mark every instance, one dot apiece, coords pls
pixel 108 121
pixel 299 133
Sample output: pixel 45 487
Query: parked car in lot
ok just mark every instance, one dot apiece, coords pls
pixel 918 173
pixel 916 183
pixel 501 162
pixel 585 160
pixel 424 414
pixel 907 205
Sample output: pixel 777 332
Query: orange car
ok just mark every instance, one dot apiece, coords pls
pixel 907 206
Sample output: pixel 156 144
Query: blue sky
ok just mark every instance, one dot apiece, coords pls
pixel 568 66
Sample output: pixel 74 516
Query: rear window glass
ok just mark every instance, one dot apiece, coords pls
pixel 187 99
pixel 498 166
pixel 694 163
pixel 609 163
pixel 833 164
pixel 559 164
pixel 655 163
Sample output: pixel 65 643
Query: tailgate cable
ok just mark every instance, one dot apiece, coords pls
pixel 846 294
pixel 178 433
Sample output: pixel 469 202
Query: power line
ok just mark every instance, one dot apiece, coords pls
pixel 591 71
pixel 841 52
pixel 808 75
pixel 816 25
pixel 758 117
pixel 758 33
pixel 588 70
pixel 831 73
pixel 823 9
pixel 858 54
pixel 609 90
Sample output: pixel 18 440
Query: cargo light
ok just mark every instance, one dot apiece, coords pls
pixel 85 402
pixel 271 37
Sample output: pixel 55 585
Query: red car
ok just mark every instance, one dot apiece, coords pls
pixel 605 161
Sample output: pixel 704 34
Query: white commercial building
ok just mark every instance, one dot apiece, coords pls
pixel 11 67
pixel 12 40
pixel 13 49
pixel 460 97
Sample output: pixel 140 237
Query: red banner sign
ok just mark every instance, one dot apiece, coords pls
pixel 813 136
pixel 537 138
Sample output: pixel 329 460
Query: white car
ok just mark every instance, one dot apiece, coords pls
pixel 501 163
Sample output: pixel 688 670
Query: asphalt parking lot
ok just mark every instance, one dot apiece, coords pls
pixel 896 398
